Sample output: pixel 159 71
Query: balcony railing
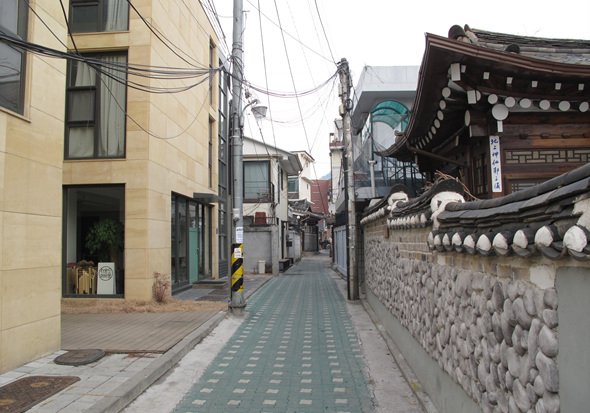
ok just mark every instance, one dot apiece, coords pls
pixel 260 219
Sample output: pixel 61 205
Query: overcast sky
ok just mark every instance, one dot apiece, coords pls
pixel 366 33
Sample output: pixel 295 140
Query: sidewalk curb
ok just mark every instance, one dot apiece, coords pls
pixel 400 360
pixel 118 399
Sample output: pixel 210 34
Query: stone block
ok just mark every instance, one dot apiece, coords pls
pixel 498 297
pixel 550 298
pixel 520 396
pixel 548 371
pixel 539 386
pixel 523 318
pixel 513 362
pixel 548 342
pixel 529 302
pixel 551 402
pixel 531 394
pixel 550 317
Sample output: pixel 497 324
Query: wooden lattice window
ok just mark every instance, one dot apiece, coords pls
pixel 480 176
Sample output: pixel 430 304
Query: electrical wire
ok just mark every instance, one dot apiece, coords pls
pixel 160 36
pixel 265 74
pixel 140 71
pixel 283 32
pixel 324 30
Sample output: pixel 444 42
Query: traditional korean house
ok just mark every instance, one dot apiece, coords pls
pixel 498 111
pixel 483 298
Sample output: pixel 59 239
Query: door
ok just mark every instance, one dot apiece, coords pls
pixel 193 244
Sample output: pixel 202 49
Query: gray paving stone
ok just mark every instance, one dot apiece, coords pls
pixel 296 352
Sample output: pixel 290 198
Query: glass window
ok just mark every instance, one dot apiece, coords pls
pixel 90 211
pixel 222 172
pixel 210 159
pixel 13 22
pixel 211 73
pixel 99 15
pixel 257 181
pixel 293 184
pixel 179 239
pixel 95 111
pixel 204 241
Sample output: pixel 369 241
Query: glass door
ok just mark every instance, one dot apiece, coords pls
pixel 193 244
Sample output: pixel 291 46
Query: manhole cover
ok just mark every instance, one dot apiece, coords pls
pixel 79 357
pixel 22 394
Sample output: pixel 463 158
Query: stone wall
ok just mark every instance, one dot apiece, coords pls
pixel 475 285
pixel 493 335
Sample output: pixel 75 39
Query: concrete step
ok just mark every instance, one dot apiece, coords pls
pixel 212 284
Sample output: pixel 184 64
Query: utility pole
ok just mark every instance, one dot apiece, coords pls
pixel 345 108
pixel 237 302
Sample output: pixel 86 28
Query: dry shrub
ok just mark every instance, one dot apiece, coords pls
pixel 161 287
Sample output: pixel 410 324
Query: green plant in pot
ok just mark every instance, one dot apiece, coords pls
pixel 106 239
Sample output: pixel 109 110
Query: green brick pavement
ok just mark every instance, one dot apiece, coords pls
pixel 297 351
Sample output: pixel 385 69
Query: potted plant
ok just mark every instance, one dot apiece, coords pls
pixel 106 239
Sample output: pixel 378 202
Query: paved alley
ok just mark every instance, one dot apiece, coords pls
pixel 296 351
pixel 301 347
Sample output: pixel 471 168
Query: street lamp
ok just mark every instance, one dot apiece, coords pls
pixel 237 301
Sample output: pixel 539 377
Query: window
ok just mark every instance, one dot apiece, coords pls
pixel 257 186
pixel 222 172
pixel 480 176
pixel 13 22
pixel 210 160
pixel 99 15
pixel 90 210
pixel 190 241
pixel 95 109
pixel 211 73
pixel 293 184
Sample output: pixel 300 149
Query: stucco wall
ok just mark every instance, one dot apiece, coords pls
pixel 489 323
pixel 257 246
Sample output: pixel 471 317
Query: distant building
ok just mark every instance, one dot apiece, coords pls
pixel 266 204
pixel 382 104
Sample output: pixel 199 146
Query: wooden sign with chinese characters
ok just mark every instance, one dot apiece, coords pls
pixel 495 164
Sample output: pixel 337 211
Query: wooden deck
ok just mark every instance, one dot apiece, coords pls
pixel 129 333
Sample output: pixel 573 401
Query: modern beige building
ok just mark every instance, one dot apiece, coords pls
pixel 121 136
pixel 31 157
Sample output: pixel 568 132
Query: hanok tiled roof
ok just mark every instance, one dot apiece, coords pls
pixel 496 64
pixel 550 219
pixel 558 50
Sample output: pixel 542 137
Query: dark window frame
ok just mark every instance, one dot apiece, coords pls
pixel 21 33
pixel 100 22
pixel 95 123
pixel 65 222
pixel 210 150
pixel 222 172
pixel 269 194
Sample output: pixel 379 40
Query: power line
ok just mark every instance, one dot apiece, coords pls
pixel 283 32
pixel 158 33
pixel 324 29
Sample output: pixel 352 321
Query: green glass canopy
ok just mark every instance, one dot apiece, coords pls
pixel 392 113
